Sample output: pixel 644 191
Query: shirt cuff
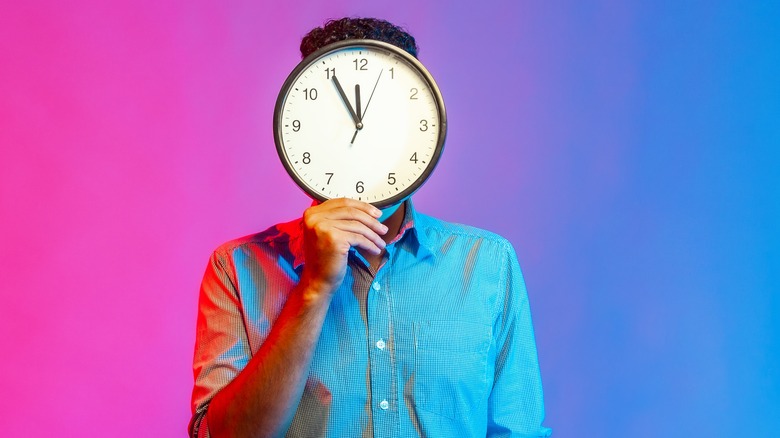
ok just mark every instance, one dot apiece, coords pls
pixel 199 426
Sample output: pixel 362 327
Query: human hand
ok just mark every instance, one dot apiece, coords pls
pixel 330 229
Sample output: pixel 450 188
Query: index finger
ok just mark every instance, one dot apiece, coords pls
pixel 354 203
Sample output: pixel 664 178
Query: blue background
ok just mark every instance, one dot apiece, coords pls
pixel 629 150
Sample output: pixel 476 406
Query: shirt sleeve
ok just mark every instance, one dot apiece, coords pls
pixel 516 403
pixel 221 345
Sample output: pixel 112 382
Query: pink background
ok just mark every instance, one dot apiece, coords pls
pixel 629 150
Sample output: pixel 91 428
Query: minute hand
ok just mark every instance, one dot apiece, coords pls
pixel 343 95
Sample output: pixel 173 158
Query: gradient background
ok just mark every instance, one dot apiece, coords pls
pixel 629 150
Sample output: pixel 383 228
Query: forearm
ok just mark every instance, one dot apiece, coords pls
pixel 262 399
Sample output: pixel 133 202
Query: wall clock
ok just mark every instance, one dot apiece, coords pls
pixel 360 119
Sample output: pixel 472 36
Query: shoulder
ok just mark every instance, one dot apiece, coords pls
pixel 439 232
pixel 278 238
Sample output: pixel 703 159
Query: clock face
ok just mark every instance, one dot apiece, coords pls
pixel 360 119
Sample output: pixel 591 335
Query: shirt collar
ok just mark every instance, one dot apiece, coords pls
pixel 413 226
pixel 410 233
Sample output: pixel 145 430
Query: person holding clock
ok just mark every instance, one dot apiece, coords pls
pixel 364 317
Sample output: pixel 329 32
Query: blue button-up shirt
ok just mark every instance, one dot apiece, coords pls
pixel 437 342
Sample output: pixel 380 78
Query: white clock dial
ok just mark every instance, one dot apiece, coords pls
pixel 361 120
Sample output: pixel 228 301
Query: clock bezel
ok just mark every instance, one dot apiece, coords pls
pixel 358 44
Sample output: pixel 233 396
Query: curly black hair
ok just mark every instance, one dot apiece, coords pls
pixel 357 28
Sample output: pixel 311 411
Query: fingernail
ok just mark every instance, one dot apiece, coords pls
pixel 376 212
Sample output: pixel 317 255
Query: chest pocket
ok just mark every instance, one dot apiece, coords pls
pixel 450 366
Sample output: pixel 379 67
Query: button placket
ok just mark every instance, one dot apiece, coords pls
pixel 381 369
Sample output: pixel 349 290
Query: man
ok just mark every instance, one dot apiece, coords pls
pixel 353 321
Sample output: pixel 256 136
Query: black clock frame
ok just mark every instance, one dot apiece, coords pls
pixel 358 44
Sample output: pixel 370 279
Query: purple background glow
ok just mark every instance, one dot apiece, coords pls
pixel 629 150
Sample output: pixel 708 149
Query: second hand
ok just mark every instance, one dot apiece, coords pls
pixel 372 94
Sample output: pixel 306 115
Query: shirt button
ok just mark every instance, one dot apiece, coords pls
pixel 384 404
pixel 380 344
pixel 376 286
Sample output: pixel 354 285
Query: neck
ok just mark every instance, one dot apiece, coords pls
pixel 393 221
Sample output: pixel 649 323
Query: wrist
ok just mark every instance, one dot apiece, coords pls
pixel 314 290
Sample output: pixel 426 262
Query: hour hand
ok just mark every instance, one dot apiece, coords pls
pixel 343 95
